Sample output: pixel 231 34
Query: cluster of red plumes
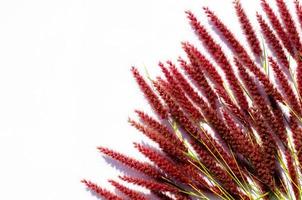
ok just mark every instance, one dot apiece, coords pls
pixel 221 131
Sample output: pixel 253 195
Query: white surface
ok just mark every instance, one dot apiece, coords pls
pixel 65 85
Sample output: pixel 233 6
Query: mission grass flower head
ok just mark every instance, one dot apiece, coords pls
pixel 285 85
pixel 198 77
pixel 273 42
pixel 149 94
pixel 216 52
pixel 237 48
pixel 299 11
pixel 128 192
pixel 149 184
pixel 226 128
pixel 248 30
pixel 162 129
pixel 289 24
pixel 102 193
pixel 167 146
pixel 276 24
pixel 195 56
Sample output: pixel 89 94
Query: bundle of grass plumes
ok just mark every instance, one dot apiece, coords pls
pixel 228 128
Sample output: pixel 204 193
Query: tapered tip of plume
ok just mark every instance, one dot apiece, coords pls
pixel 238 64
pixel 135 144
pixel 169 62
pixel 260 19
pixel 207 11
pixel 236 60
pixel 138 112
pixel 130 121
pixel 121 177
pixel 102 149
pixel 186 46
pixel 161 65
pixel 236 2
pixel 188 12
pixel 183 44
pixel 165 70
pixel 133 69
pixel 270 59
pixel 180 59
pixel 190 15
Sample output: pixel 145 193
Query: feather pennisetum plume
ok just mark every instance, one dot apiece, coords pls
pixel 225 128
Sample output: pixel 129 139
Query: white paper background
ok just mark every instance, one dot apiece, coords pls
pixel 66 87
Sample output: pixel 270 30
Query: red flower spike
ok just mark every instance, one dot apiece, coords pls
pixel 219 173
pixel 161 195
pixel 299 11
pixel 283 82
pixel 186 124
pixel 259 100
pixel 168 147
pixel 299 76
pixel 292 173
pixel 165 164
pixel 149 184
pixel 216 52
pixel 128 192
pixel 149 94
pixel 161 129
pixel 231 105
pixel 152 186
pixel 200 80
pixel 144 168
pixel 205 66
pixel 102 193
pixel 196 176
pixel 273 42
pixel 289 24
pixel 248 30
pixel 278 115
pixel 179 116
pixel 297 137
pixel 276 24
pixel 243 146
pixel 195 56
pixel 180 97
pixel 241 53
pixel 268 151
pixel 186 87
pixel 239 142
